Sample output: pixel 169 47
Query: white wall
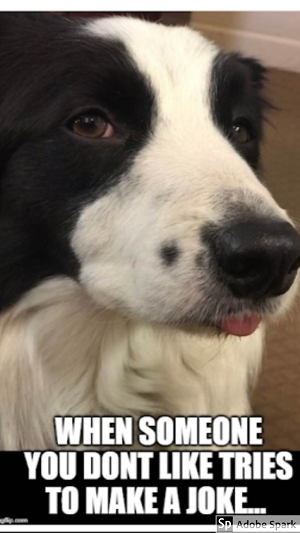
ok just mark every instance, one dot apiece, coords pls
pixel 273 37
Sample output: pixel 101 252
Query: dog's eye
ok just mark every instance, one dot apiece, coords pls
pixel 91 125
pixel 240 132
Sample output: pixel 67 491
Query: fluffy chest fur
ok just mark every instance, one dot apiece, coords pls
pixel 82 361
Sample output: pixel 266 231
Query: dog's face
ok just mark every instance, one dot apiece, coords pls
pixel 130 164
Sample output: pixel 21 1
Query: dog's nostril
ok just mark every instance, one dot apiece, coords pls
pixel 241 265
pixel 257 258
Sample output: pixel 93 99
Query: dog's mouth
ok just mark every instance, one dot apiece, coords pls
pixel 240 326
pixel 238 323
pixel 230 316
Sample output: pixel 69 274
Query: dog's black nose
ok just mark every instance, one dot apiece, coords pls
pixel 258 258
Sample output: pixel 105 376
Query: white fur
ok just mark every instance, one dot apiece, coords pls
pixel 172 188
pixel 102 347
pixel 61 355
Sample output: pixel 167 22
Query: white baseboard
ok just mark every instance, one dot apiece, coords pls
pixel 273 51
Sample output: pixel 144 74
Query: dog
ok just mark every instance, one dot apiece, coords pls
pixel 141 255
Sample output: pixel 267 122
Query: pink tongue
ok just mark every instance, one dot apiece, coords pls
pixel 240 326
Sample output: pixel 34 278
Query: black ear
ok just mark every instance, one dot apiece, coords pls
pixel 234 74
pixel 20 47
pixel 234 65
pixel 257 72
pixel 237 93
pixel 258 77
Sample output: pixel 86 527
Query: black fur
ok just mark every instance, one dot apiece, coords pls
pixel 48 75
pixel 170 254
pixel 236 93
pixel 50 71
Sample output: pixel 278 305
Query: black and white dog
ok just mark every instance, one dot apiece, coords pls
pixel 140 255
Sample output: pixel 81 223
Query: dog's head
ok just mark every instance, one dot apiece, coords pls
pixel 129 162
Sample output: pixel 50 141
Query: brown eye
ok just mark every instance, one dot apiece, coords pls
pixel 240 132
pixel 92 126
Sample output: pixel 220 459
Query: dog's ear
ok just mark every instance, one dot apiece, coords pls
pixel 257 72
pixel 238 90
pixel 14 77
pixel 254 72
pixel 10 56
pixel 234 73
pixel 258 76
